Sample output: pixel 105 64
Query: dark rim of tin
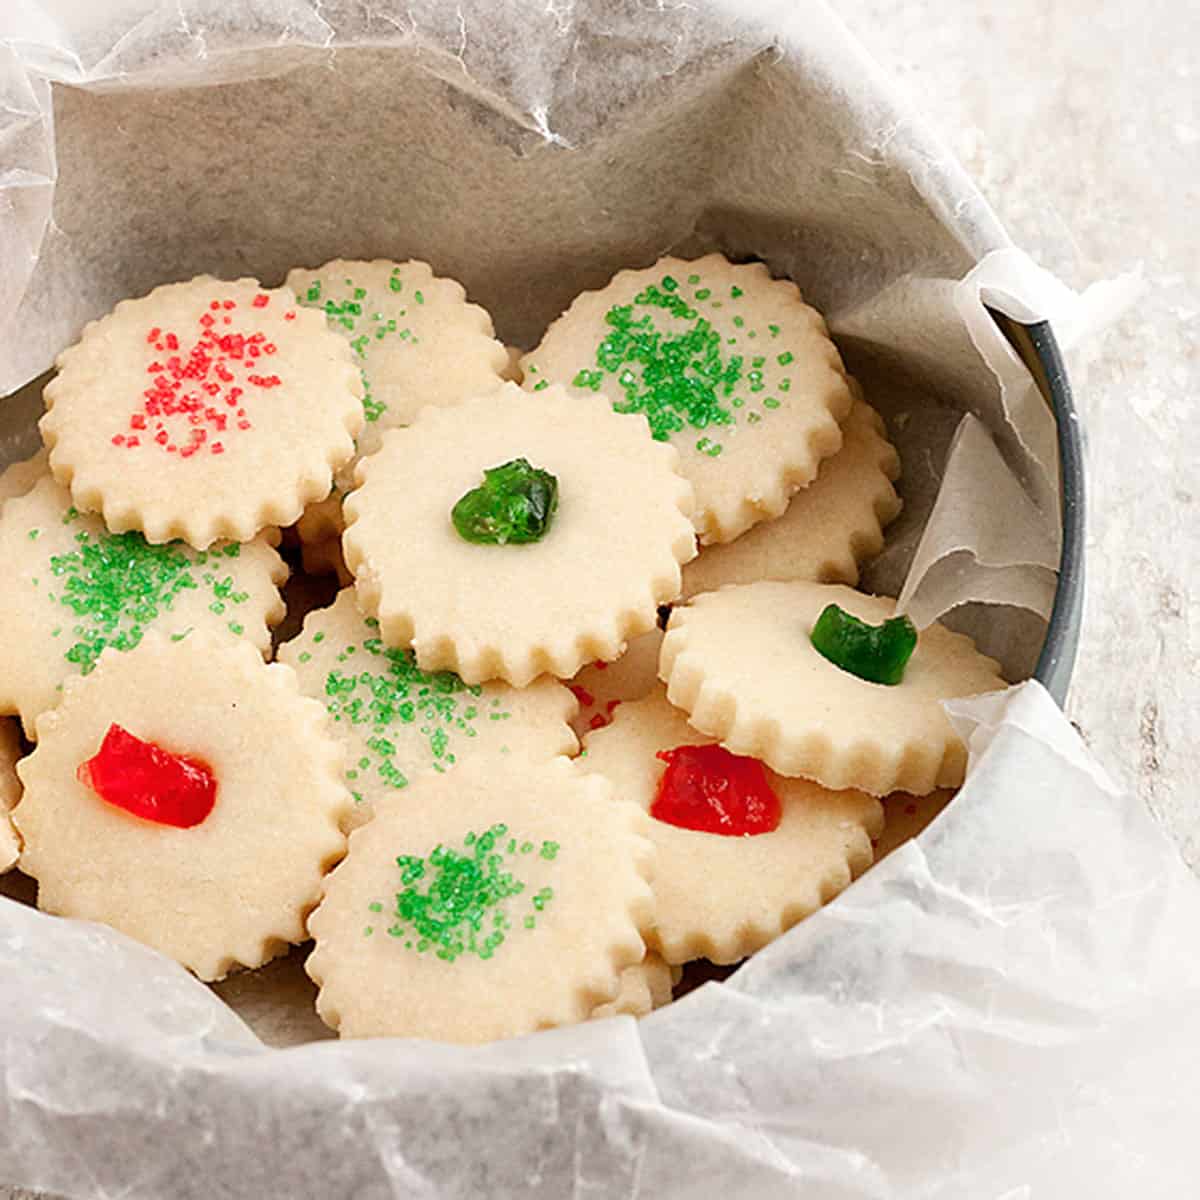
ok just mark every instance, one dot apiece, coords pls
pixel 1037 348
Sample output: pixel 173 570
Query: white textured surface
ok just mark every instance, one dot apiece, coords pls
pixel 1080 121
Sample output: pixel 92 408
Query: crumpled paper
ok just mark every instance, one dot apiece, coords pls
pixel 997 1008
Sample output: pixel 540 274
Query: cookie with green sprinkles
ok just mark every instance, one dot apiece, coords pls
pixel 505 897
pixel 400 723
pixel 73 589
pixel 518 534
pixel 10 793
pixel 416 339
pixel 748 667
pixel 204 411
pixel 727 364
pixel 202 828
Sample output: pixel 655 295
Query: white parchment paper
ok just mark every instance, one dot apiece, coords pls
pixel 998 1008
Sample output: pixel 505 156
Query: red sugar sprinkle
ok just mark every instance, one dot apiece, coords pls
pixel 600 666
pixel 599 721
pixel 289 316
pixel 611 707
pixel 189 387
pixel 582 695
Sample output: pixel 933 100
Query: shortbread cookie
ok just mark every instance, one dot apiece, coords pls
pixel 601 686
pixel 415 337
pixel 644 987
pixel 906 815
pixel 205 410
pixel 202 827
pixel 399 722
pixel 322 521
pixel 325 558
pixel 726 363
pixel 17 479
pixel 71 589
pixel 719 895
pixel 741 663
pixel 503 898
pixel 830 527
pixel 612 527
pixel 10 793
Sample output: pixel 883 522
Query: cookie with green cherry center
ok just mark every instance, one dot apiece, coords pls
pixel 504 897
pixel 727 364
pixel 399 722
pixel 518 534
pixel 74 589
pixel 821 681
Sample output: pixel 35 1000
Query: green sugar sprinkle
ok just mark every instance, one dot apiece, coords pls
pixel 395 695
pixel 673 366
pixel 367 328
pixel 466 901
pixel 117 584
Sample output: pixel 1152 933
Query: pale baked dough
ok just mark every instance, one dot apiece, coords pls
pixel 234 889
pixel 595 580
pixel 600 687
pixel 741 663
pixel 830 527
pixel 205 410
pixel 399 722
pixel 773 383
pixel 417 340
pixel 71 588
pixel 10 793
pixel 720 897
pixel 325 558
pixel 17 479
pixel 906 815
pixel 644 987
pixel 545 955
pixel 512 370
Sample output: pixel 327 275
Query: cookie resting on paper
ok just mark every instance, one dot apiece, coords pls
pixel 607 551
pixel 73 589
pixel 721 895
pixel 502 898
pixel 205 410
pixel 727 364
pixel 202 829
pixel 829 528
pixel 417 341
pixel 399 722
pixel 741 663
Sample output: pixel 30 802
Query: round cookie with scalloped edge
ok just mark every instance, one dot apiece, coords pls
pixel 72 589
pixel 18 479
pixel 644 987
pixel 720 896
pixel 233 887
pixel 502 898
pixel 399 722
pixel 601 686
pixel 728 365
pixel 608 557
pixel 10 793
pixel 417 341
pixel 829 528
pixel 205 410
pixel 740 662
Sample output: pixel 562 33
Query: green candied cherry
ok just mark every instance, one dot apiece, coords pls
pixel 515 504
pixel 876 653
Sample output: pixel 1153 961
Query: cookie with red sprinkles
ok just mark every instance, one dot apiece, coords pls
pixel 205 410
